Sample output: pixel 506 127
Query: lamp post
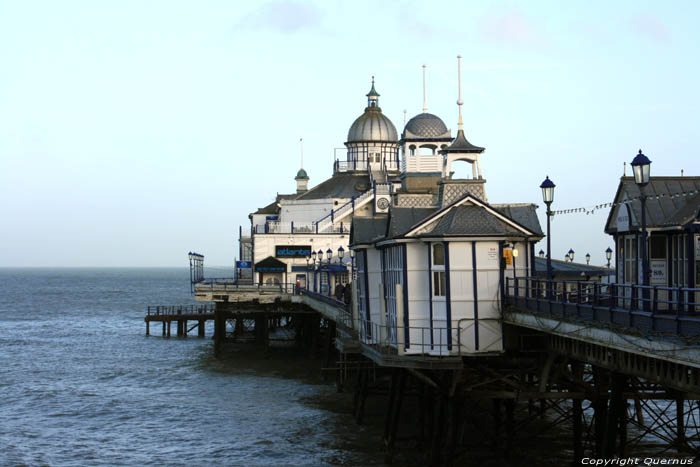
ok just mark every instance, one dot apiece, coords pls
pixel 570 254
pixel 541 253
pixel 547 187
pixel 608 255
pixel 641 167
pixel 329 254
pixel 313 263
pixel 588 258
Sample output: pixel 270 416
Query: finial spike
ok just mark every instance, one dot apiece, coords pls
pixel 460 125
pixel 404 117
pixel 301 148
pixel 425 102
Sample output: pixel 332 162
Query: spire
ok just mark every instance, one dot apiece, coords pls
pixel 425 102
pixel 301 148
pixel 404 118
pixel 460 102
pixel 372 96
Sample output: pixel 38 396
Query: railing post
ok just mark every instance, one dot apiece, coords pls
pixel 515 287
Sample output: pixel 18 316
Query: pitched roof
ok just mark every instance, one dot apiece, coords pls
pixel 340 185
pixel 470 220
pixel 402 219
pixel 664 208
pixel 367 229
pixel 523 214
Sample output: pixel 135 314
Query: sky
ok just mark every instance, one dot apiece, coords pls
pixel 134 132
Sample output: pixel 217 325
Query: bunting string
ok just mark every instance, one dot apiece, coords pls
pixel 589 210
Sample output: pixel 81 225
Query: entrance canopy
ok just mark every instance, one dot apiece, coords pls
pixel 271 264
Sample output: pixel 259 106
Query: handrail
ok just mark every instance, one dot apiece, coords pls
pixel 169 310
pixel 665 309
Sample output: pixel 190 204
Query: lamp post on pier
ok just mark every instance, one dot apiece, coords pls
pixel 588 258
pixel 570 254
pixel 547 187
pixel 608 255
pixel 641 167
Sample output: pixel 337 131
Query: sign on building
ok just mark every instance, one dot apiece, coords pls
pixel 657 268
pixel 243 264
pixel 292 251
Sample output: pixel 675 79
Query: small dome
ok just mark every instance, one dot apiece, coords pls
pixel 301 174
pixel 372 125
pixel 426 125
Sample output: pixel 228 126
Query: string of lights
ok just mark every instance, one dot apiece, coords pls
pixel 593 208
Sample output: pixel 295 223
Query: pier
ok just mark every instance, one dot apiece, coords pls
pixel 592 359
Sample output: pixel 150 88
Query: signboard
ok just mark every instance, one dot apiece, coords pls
pixel 244 264
pixel 493 253
pixel 657 268
pixel 623 217
pixel 697 247
pixel 508 255
pixel 292 251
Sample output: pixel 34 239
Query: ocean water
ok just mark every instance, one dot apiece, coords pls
pixel 81 384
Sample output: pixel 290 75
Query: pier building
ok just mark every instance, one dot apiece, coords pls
pixel 449 304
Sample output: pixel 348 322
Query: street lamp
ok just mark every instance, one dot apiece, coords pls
pixel 329 254
pixel 641 167
pixel 548 196
pixel 588 258
pixel 570 254
pixel 541 253
pixel 608 255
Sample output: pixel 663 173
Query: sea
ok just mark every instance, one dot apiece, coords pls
pixel 81 384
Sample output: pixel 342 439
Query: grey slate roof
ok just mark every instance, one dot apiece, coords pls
pixel 566 268
pixel 367 229
pixel 273 207
pixel 340 185
pixel 470 220
pixel 402 219
pixel 667 210
pixel 460 144
pixel 523 214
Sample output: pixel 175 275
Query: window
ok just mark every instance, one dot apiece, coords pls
pixel 658 247
pixel 438 254
pixel 439 289
pixel 438 266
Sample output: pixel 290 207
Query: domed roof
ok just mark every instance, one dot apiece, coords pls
pixel 426 125
pixel 372 125
pixel 301 174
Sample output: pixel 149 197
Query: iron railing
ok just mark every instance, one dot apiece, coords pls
pixel 674 310
pixel 162 310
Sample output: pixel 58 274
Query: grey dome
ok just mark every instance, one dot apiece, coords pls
pixel 426 125
pixel 301 174
pixel 372 125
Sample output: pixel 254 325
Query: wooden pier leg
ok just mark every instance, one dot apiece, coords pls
pixel 510 425
pixel 497 422
pixel 356 393
pixel 390 415
pixel 577 408
pixel 421 414
pixel 169 327
pixel 148 328
pixel 363 397
pixel 315 324
pixel 617 418
pixel 600 407
pixel 330 330
pixel 201 328
pixel 266 334
pixel 680 422
pixel 219 330
pixel 184 328
pixel 394 414
pixel 164 329
pixel 438 425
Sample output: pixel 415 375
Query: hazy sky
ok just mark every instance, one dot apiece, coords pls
pixel 134 132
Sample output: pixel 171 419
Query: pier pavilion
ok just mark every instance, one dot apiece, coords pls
pixel 449 306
